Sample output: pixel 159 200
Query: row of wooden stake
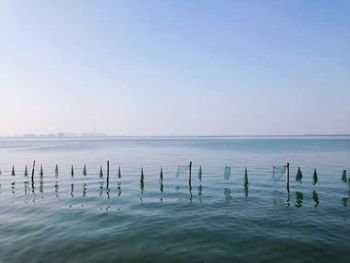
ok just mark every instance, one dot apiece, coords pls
pixel 298 175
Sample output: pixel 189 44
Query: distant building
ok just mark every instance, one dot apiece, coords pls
pixel 61 135
pixel 29 135
pixel 93 134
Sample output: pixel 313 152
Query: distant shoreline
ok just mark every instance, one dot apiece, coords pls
pixel 175 137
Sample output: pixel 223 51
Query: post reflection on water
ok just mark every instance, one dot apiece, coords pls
pixel 101 188
pixel 190 192
pixel 142 185
pixel 108 191
pixel 315 198
pixel 33 187
pixel 13 184
pixel 84 190
pixel 25 186
pixel 41 186
pixel 227 194
pixel 161 191
pixel 200 189
pixel 299 199
pixel 119 188
pixel 345 200
pixel 56 189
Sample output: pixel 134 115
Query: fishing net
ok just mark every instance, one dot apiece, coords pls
pixel 182 170
pixel 278 172
pixel 227 172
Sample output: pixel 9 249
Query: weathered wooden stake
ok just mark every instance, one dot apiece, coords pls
pixel 190 175
pixel 344 175
pixel 33 171
pixel 161 180
pixel 56 170
pixel 119 173
pixel 101 172
pixel 107 173
pixel 299 175
pixel 13 171
pixel 72 171
pixel 84 170
pixel 288 177
pixel 200 173
pixel 315 177
pixel 41 171
pixel 26 171
pixel 245 178
pixel 142 177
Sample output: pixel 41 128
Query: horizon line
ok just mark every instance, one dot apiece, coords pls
pixel 40 136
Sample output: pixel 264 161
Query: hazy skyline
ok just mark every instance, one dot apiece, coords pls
pixel 175 67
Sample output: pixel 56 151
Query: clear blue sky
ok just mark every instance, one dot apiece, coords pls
pixel 175 67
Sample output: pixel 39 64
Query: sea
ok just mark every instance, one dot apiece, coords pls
pixel 181 199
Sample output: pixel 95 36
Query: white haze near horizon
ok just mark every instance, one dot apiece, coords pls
pixel 175 67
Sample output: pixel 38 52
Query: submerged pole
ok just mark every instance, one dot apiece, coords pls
pixel 26 171
pixel 288 177
pixel 41 171
pixel 190 175
pixel 13 171
pixel 107 173
pixel 119 173
pixel 72 171
pixel 33 171
pixel 84 169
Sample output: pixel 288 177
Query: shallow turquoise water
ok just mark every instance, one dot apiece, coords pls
pixel 79 218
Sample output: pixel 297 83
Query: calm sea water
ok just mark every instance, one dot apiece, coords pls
pixel 80 218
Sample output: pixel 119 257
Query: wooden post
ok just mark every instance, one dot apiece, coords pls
pixel 288 177
pixel 161 182
pixel 190 175
pixel 56 170
pixel 101 172
pixel 33 171
pixel 107 173
pixel 245 178
pixel 142 176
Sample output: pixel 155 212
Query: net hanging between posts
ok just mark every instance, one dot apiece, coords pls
pixel 278 172
pixel 182 170
pixel 227 172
